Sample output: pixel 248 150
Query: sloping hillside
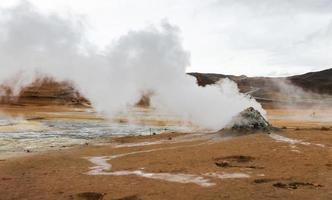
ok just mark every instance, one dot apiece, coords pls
pixel 314 88
pixel 320 82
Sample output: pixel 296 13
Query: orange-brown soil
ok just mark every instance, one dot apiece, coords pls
pixel 274 169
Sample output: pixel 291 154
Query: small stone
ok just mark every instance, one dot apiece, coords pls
pixel 223 164
pixel 87 196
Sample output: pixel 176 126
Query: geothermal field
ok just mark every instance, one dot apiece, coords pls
pixel 54 145
pixel 128 121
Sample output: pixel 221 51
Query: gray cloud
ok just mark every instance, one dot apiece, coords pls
pixel 253 37
pixel 274 35
pixel 270 7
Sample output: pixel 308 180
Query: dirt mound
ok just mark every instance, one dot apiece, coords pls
pixel 44 91
pixel 250 119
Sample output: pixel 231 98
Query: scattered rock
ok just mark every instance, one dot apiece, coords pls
pixel 87 196
pixel 237 158
pixel 263 180
pixel 6 179
pixel 324 129
pixel 123 121
pixel 287 184
pixel 252 167
pixel 236 161
pixel 280 185
pixel 240 158
pixel 35 118
pixel 223 163
pixel 133 197
pixel 295 185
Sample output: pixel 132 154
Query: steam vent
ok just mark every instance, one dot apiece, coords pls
pixel 251 119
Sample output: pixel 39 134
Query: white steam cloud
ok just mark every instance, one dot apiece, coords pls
pixel 146 61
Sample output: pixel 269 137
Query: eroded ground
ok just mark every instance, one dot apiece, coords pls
pixel 295 163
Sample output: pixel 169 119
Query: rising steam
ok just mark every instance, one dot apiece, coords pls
pixel 150 61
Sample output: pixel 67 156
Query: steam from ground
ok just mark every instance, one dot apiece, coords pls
pixel 150 61
pixel 292 96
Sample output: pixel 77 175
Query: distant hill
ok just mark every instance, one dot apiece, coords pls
pixel 46 90
pixel 319 82
pixel 303 89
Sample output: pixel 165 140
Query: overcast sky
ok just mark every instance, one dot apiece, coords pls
pixel 252 37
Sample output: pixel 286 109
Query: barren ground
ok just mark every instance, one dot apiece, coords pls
pixel 295 163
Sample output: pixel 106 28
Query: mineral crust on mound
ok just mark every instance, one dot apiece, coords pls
pixel 250 119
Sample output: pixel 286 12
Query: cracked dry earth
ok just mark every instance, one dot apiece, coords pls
pixel 293 164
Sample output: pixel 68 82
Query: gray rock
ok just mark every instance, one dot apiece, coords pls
pixel 250 119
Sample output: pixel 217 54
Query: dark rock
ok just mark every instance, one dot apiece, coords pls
pixel 325 128
pixel 35 118
pixel 295 185
pixel 223 163
pixel 236 161
pixel 239 158
pixel 6 179
pixel 280 185
pixel 263 180
pixel 87 196
pixel 133 197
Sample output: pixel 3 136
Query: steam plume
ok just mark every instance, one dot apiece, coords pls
pixel 146 61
